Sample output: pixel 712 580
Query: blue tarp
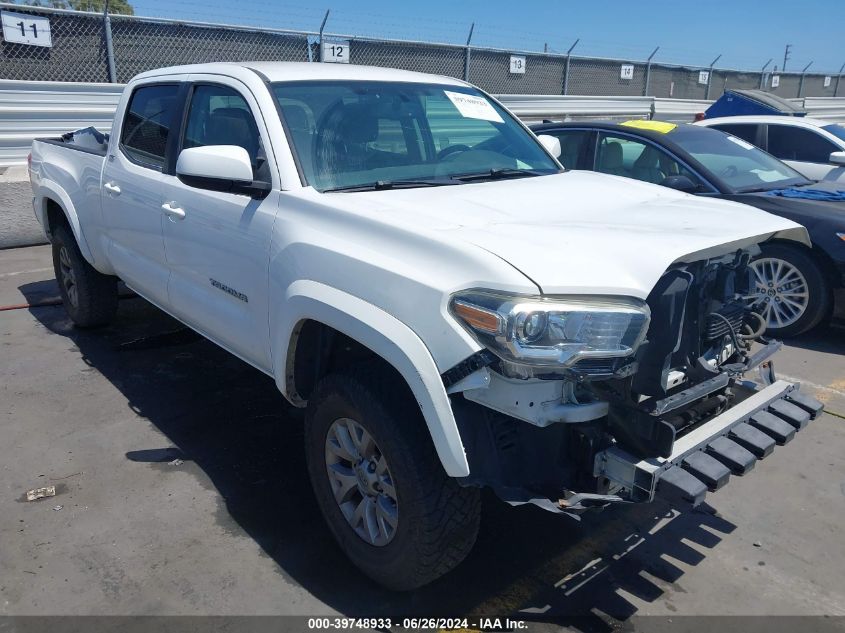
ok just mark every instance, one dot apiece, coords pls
pixel 809 194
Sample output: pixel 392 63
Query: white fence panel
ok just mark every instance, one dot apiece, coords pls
pixel 32 109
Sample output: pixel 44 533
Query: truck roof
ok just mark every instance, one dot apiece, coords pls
pixel 304 71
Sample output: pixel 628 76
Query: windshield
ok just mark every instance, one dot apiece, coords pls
pixel 836 129
pixel 355 134
pixel 739 164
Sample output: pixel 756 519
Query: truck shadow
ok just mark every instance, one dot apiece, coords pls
pixel 230 420
pixel 828 338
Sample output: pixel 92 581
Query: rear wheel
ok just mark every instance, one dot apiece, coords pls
pixel 791 291
pixel 379 482
pixel 89 296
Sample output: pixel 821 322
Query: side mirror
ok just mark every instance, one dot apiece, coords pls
pixel 551 143
pixel 837 158
pixel 680 183
pixel 220 168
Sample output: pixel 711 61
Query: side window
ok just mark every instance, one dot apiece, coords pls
pixel 624 156
pixel 146 126
pixel 745 131
pixel 573 146
pixel 795 143
pixel 219 115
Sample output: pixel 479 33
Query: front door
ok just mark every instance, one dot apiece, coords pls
pixel 217 243
pixel 132 190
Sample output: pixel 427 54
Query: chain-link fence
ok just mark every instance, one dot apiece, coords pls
pixel 87 46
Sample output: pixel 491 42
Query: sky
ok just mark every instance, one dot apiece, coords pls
pixel 745 33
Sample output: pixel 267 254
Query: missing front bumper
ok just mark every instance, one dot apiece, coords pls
pixel 704 459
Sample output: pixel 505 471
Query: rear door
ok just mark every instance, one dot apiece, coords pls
pixel 132 189
pixel 802 149
pixel 218 247
pixel 751 132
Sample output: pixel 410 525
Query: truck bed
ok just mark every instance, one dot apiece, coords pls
pixel 73 164
pixel 88 140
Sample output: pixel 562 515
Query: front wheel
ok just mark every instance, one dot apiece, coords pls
pixel 379 483
pixel 791 291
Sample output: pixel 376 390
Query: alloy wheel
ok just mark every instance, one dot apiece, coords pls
pixel 781 292
pixel 68 276
pixel 361 482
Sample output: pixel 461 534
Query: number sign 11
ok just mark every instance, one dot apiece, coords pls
pixel 22 28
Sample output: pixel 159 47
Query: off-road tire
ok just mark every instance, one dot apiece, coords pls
pixel 437 518
pixel 95 293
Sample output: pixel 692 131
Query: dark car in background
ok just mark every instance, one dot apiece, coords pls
pixel 795 285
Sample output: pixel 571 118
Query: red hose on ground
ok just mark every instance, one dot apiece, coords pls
pixel 24 306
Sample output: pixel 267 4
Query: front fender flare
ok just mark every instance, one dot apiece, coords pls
pixel 386 336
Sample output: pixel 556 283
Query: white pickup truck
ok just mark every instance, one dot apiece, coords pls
pixel 453 309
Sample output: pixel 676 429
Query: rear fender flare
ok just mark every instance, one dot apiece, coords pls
pixel 49 190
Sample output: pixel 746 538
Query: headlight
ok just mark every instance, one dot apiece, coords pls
pixel 552 332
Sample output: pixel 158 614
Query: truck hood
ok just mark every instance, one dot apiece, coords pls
pixel 579 232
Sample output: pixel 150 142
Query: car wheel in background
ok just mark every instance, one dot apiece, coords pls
pixel 791 291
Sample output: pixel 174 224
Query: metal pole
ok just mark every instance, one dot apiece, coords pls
pixel 468 52
pixel 109 43
pixel 801 82
pixel 838 77
pixel 763 73
pixel 322 28
pixel 648 70
pixel 710 76
pixel 566 71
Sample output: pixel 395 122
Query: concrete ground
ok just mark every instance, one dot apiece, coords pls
pixel 18 226
pixel 182 490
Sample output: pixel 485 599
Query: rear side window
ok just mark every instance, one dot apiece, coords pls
pixel 745 131
pixel 795 143
pixel 574 145
pixel 146 127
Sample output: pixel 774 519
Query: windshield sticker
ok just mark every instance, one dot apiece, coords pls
pixel 740 142
pixel 654 126
pixel 473 107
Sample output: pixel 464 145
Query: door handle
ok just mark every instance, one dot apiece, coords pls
pixel 174 213
pixel 112 188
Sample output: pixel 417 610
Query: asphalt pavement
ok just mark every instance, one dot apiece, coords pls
pixel 182 490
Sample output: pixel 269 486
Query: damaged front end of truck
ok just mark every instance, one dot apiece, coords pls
pixel 580 402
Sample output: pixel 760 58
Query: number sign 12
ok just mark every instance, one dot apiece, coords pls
pixel 22 28
pixel 336 52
